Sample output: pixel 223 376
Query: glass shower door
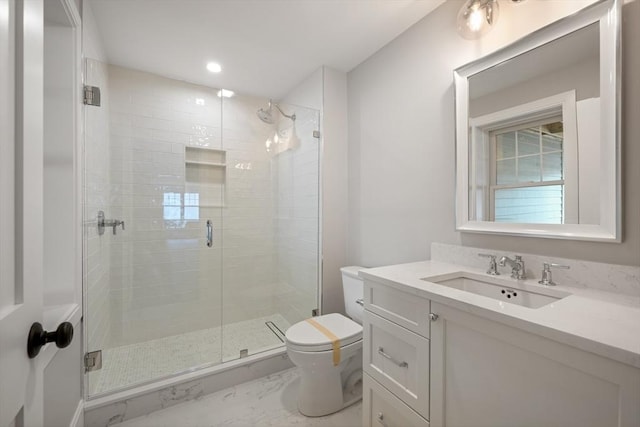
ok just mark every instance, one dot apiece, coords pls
pixel 154 185
pixel 270 222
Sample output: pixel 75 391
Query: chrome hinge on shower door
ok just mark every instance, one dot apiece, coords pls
pixel 91 95
pixel 93 361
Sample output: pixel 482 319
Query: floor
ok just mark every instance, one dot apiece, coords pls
pixel 141 362
pixel 268 401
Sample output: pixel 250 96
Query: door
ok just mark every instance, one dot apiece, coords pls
pixel 485 373
pixel 21 193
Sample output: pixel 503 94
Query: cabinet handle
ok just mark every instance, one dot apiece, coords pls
pixel 360 301
pixel 381 419
pixel 386 356
pixel 433 317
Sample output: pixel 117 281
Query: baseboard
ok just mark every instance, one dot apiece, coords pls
pixel 78 416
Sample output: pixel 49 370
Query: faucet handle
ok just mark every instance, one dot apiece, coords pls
pixel 546 278
pixel 548 265
pixel 493 266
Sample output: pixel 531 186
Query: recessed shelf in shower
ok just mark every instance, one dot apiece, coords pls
pixel 205 174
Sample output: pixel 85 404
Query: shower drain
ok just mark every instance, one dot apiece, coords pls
pixel 276 331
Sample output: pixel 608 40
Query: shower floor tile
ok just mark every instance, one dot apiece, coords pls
pixel 142 362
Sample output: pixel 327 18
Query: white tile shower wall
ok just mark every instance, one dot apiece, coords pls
pixel 583 274
pixel 297 176
pixel 251 287
pixel 96 189
pixel 164 280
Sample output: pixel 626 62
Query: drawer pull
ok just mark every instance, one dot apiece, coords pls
pixel 381 419
pixel 386 356
pixel 360 301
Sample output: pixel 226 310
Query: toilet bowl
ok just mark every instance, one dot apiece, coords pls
pixel 327 350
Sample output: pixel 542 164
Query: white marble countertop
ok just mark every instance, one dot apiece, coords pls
pixel 600 322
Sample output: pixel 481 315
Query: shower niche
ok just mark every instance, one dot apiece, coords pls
pixel 205 174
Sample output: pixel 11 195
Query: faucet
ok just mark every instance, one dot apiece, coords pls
pixel 546 279
pixel 517 266
pixel 493 267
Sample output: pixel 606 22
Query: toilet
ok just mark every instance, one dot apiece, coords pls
pixel 327 350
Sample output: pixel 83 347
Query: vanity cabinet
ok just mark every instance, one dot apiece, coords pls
pixel 443 366
pixel 395 357
pixel 484 373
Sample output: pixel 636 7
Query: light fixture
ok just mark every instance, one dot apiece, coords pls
pixel 214 67
pixel 477 17
pixel 225 93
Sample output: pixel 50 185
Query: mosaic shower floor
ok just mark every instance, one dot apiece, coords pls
pixel 141 362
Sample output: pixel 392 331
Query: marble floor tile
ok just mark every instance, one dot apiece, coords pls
pixel 268 401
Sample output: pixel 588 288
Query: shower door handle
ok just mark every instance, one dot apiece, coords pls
pixel 209 233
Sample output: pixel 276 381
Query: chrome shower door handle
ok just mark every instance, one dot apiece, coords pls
pixel 209 233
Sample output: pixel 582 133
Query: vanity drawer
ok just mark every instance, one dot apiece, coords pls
pixel 382 409
pixel 403 308
pixel 398 359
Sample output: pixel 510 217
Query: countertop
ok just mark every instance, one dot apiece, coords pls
pixel 603 323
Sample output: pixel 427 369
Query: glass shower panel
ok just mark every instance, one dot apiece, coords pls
pixel 270 222
pixel 154 183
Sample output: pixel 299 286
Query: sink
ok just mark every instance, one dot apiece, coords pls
pixel 499 289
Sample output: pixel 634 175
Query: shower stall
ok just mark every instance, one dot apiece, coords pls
pixel 201 225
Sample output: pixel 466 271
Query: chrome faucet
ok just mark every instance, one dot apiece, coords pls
pixel 493 267
pixel 517 266
pixel 546 279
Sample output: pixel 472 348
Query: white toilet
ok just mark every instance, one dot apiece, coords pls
pixel 327 350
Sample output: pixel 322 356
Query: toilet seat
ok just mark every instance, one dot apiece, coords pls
pixel 303 336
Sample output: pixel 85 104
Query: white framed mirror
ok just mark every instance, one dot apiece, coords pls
pixel 538 132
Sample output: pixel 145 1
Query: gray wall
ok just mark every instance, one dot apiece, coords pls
pixel 401 140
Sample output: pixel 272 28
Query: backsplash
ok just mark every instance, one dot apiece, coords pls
pixel 621 279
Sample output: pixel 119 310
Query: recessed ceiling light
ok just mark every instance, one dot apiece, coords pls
pixel 226 93
pixel 214 67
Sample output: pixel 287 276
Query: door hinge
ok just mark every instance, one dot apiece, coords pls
pixel 92 95
pixel 93 361
pixel 315 312
pixel 316 134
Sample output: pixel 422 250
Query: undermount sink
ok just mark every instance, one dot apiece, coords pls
pixel 499 289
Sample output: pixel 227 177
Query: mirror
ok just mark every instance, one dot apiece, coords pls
pixel 537 132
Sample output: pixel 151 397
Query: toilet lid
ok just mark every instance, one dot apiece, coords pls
pixel 303 336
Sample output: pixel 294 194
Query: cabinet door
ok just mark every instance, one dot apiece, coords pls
pixel 404 308
pixel 484 373
pixel 382 409
pixel 398 359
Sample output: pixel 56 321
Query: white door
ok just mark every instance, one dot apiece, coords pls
pixel 21 208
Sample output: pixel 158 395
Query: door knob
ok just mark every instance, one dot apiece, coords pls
pixel 39 337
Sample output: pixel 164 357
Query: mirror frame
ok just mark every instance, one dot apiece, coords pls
pixel 608 14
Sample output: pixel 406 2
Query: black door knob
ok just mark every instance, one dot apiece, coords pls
pixel 39 337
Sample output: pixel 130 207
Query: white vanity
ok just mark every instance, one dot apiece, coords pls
pixel 437 355
pixel 451 345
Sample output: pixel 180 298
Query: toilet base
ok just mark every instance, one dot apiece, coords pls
pixel 323 392
pixel 315 406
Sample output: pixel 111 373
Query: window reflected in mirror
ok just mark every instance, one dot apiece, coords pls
pixel 527 183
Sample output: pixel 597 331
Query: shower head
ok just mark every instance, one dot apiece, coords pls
pixel 267 115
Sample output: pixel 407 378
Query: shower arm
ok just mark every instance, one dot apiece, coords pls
pixel 290 117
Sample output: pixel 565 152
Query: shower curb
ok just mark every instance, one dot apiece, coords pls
pixel 143 400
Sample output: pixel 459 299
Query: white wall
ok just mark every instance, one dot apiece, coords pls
pixel 401 140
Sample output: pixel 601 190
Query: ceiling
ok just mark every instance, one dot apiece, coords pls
pixel 265 47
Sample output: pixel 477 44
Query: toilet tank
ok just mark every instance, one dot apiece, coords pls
pixel 353 289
